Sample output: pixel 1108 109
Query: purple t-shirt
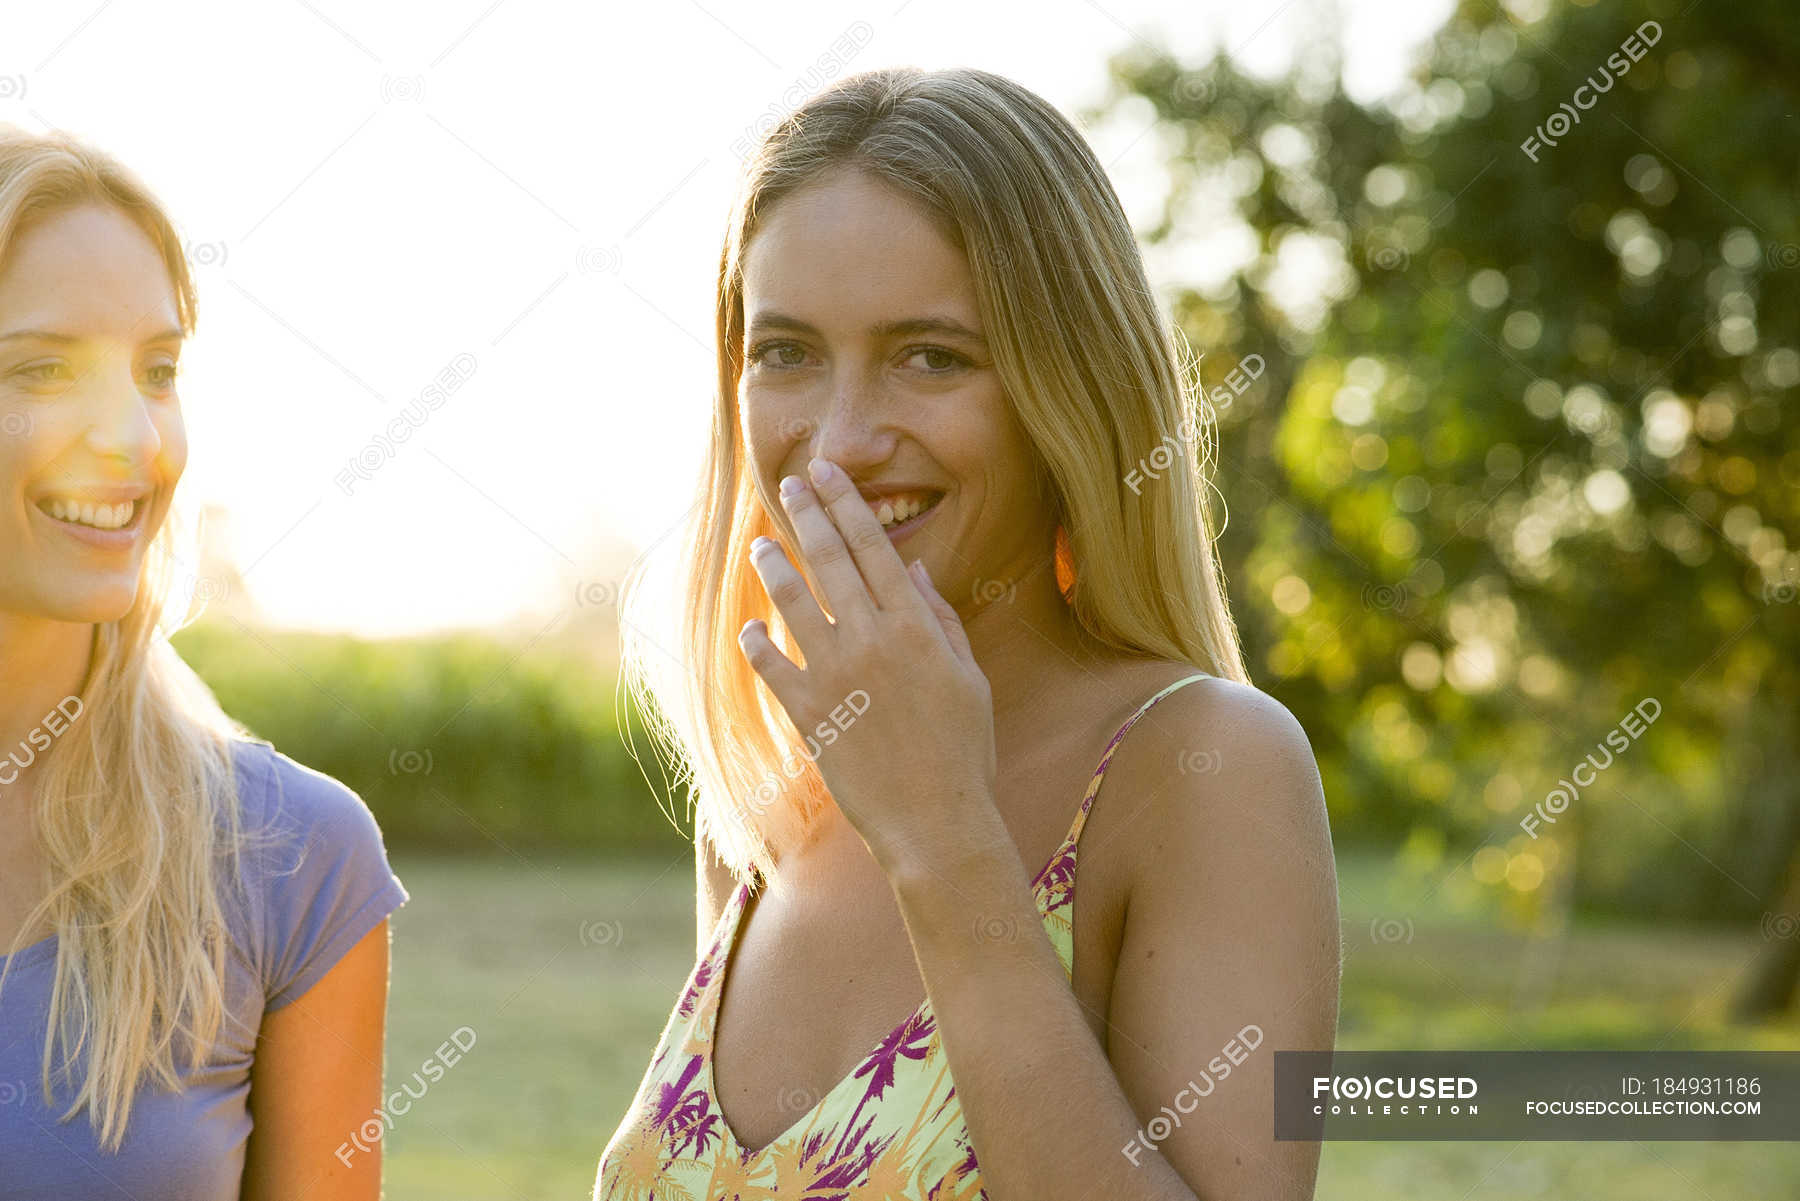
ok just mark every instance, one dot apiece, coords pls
pixel 316 884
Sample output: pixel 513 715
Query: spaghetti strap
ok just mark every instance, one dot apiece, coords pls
pixel 1054 886
pixel 893 1120
pixel 1093 788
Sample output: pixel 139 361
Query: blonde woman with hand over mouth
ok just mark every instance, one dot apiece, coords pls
pixel 193 927
pixel 930 591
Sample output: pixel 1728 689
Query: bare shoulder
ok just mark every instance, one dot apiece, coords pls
pixel 1215 770
pixel 1231 939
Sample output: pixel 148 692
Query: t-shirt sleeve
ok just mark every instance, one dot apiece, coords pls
pixel 321 879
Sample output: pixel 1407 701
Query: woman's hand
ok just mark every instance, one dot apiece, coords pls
pixel 890 696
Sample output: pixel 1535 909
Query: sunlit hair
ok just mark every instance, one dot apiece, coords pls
pixel 1098 379
pixel 136 810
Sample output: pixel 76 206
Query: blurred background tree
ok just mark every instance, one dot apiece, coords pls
pixel 1507 444
pixel 1523 451
pixel 1505 427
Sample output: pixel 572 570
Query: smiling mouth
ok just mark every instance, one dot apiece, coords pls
pixel 897 511
pixel 93 516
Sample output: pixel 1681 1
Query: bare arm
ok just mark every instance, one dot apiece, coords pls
pixel 1232 947
pixel 1232 924
pixel 315 1080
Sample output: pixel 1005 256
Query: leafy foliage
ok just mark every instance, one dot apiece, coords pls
pixel 1525 452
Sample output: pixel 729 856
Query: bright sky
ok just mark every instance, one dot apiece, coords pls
pixel 526 199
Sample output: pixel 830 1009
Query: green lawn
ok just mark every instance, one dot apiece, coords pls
pixel 566 971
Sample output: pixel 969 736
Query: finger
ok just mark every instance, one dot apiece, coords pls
pixel 790 595
pixel 825 554
pixel 944 611
pixel 766 659
pixel 883 573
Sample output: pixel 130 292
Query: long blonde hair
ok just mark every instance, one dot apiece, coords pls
pixel 136 811
pixel 1101 383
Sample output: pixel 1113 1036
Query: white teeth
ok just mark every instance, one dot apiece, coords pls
pixel 894 512
pixel 100 517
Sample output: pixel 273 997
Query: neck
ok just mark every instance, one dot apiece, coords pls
pixel 1027 641
pixel 42 662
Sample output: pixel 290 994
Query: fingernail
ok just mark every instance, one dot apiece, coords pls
pixel 791 485
pixel 819 469
pixel 759 544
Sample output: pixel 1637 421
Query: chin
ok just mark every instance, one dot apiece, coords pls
pixel 103 601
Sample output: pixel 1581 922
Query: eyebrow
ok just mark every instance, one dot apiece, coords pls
pixel 44 335
pixel 886 329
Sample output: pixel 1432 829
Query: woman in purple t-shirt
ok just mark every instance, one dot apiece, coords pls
pixel 193 927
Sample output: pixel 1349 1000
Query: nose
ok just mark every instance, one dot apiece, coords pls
pixel 121 426
pixel 853 431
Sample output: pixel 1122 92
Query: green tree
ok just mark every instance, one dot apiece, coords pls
pixel 1524 454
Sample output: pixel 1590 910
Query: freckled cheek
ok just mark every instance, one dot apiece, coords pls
pixel 993 470
pixel 31 440
pixel 1014 461
pixel 770 431
pixel 171 459
pixel 13 467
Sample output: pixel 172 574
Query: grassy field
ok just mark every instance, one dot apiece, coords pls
pixel 565 971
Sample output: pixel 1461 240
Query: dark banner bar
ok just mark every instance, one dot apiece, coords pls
pixel 1537 1095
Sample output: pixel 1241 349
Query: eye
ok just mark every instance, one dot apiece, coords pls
pixel 41 372
pixel 955 362
pixel 162 375
pixel 760 349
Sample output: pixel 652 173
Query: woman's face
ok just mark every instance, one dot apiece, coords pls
pixel 864 346
pixel 91 437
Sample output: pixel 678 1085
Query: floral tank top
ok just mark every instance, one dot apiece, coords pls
pixel 891 1129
